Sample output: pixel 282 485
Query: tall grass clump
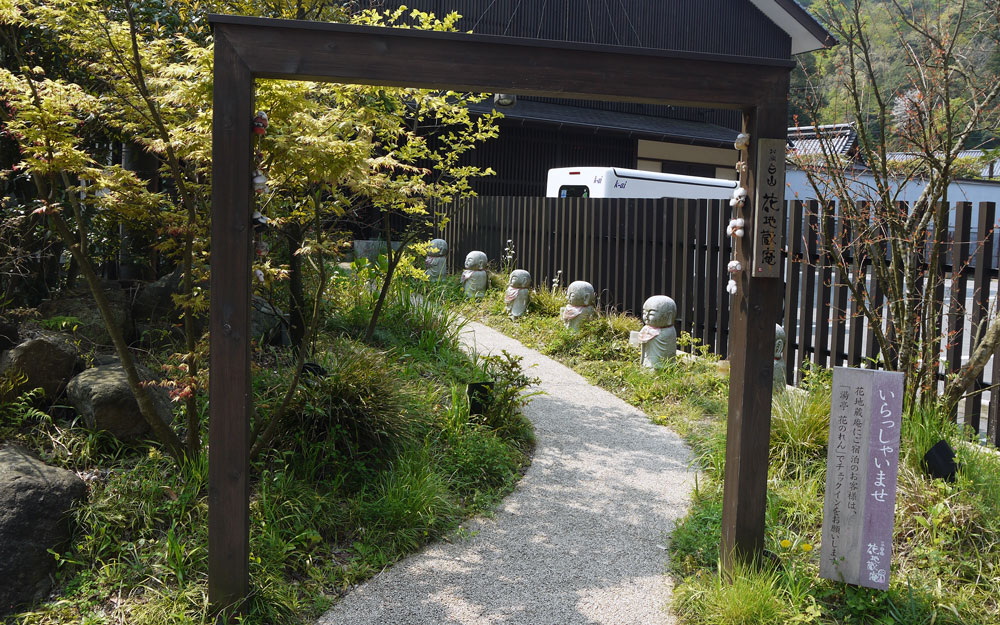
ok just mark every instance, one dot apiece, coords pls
pixel 408 504
pixel 356 402
pixel 746 596
pixel 800 421
pixel 604 338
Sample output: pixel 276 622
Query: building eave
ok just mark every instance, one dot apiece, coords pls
pixel 806 33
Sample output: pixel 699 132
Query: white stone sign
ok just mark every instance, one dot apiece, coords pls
pixel 861 469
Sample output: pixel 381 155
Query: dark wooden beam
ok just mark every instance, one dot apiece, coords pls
pixel 229 323
pixel 481 63
pixel 756 309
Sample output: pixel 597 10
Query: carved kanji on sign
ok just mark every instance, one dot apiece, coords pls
pixel 769 218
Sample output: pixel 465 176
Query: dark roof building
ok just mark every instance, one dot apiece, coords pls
pixel 541 133
pixel 831 139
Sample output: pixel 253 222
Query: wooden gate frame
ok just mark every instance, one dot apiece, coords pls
pixel 249 48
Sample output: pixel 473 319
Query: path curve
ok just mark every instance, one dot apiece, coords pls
pixel 581 540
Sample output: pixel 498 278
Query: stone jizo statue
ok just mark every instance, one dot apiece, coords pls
pixel 657 339
pixel 437 260
pixel 474 278
pixel 779 359
pixel 580 298
pixel 518 293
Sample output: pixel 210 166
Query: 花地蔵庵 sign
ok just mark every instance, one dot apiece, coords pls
pixel 769 220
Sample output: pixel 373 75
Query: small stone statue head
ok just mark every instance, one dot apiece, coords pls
pixel 659 311
pixel 476 261
pixel 580 293
pixel 779 342
pixel 519 279
pixel 437 247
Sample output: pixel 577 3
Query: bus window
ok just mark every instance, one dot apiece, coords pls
pixel 574 190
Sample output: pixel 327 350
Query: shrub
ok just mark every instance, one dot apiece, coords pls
pixel 603 339
pixel 358 402
pixel 509 393
pixel 477 461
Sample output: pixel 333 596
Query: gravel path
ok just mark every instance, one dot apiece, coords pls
pixel 582 538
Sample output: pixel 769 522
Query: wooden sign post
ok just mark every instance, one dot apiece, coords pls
pixel 861 468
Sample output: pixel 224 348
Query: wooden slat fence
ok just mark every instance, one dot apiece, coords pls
pixel 630 249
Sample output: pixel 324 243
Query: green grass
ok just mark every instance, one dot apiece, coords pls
pixel 375 460
pixel 946 564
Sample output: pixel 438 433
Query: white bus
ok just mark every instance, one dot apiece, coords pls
pixel 633 183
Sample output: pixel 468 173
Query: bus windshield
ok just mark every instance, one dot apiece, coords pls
pixel 574 190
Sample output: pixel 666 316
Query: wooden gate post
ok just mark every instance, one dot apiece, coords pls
pixel 229 386
pixel 755 309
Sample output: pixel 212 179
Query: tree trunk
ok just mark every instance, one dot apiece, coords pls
pixel 296 295
pixel 160 429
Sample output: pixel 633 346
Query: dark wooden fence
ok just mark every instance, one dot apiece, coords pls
pixel 630 249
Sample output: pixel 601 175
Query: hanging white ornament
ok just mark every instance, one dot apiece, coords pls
pixel 731 287
pixel 739 197
pixel 742 141
pixel 259 275
pixel 258 221
pixel 734 266
pixel 735 227
pixel 260 123
pixel 259 182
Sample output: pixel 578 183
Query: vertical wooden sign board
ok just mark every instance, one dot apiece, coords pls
pixel 769 224
pixel 861 469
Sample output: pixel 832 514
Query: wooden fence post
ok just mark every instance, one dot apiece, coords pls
pixel 756 309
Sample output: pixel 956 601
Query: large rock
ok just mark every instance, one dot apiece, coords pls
pixel 35 500
pixel 47 361
pixel 268 324
pixel 79 302
pixel 102 396
pixel 155 301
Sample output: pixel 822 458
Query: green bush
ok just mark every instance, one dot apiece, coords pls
pixel 546 302
pixel 358 401
pixel 509 393
pixel 604 338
